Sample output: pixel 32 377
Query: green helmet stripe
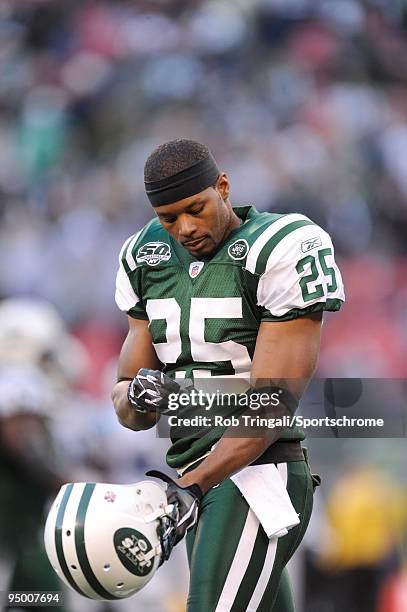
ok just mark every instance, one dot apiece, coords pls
pixel 58 539
pixel 80 544
pixel 273 242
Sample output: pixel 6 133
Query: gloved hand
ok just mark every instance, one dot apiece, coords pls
pixel 149 391
pixel 186 501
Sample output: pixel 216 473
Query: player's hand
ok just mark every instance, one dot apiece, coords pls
pixel 149 391
pixel 186 500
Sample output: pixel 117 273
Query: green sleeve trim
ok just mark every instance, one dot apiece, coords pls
pixel 332 305
pixel 274 240
pixel 123 256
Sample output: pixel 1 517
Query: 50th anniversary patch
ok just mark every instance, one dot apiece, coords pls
pixel 153 253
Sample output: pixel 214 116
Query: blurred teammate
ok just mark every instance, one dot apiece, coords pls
pixel 37 361
pixel 212 290
pixel 28 475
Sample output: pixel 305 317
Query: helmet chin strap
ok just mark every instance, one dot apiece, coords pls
pixel 168 517
pixel 152 516
pixel 167 535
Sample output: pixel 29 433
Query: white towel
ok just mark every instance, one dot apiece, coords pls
pixel 264 488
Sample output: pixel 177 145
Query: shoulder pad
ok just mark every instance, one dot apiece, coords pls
pixel 272 234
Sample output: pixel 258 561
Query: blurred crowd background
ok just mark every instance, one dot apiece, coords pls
pixel 304 104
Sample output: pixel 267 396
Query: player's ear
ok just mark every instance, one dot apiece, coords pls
pixel 222 185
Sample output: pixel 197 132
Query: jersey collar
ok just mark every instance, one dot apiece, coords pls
pixel 245 213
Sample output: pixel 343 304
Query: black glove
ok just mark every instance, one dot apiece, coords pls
pixel 149 391
pixel 185 499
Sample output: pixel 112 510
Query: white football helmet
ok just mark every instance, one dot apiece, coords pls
pixel 32 331
pixel 24 389
pixel 106 541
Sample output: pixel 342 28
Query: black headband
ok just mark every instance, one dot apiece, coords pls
pixel 184 184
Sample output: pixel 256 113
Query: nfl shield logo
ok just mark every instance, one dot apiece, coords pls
pixel 195 267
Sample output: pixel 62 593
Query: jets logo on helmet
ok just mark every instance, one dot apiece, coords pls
pixel 109 550
pixel 134 551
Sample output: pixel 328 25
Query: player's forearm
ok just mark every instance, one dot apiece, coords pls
pixel 229 456
pixel 233 453
pixel 126 415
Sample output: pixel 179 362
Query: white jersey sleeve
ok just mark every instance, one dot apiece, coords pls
pixel 125 296
pixel 300 276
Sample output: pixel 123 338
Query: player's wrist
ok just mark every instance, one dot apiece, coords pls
pixel 274 398
pixel 201 476
pixel 192 484
pixel 126 415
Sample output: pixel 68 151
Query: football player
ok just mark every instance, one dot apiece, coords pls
pixel 38 361
pixel 216 291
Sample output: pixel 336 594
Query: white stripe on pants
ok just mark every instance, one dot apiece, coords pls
pixel 242 558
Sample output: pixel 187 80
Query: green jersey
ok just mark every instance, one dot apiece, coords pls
pixel 204 316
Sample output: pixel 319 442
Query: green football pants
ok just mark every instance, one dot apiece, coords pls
pixel 234 566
